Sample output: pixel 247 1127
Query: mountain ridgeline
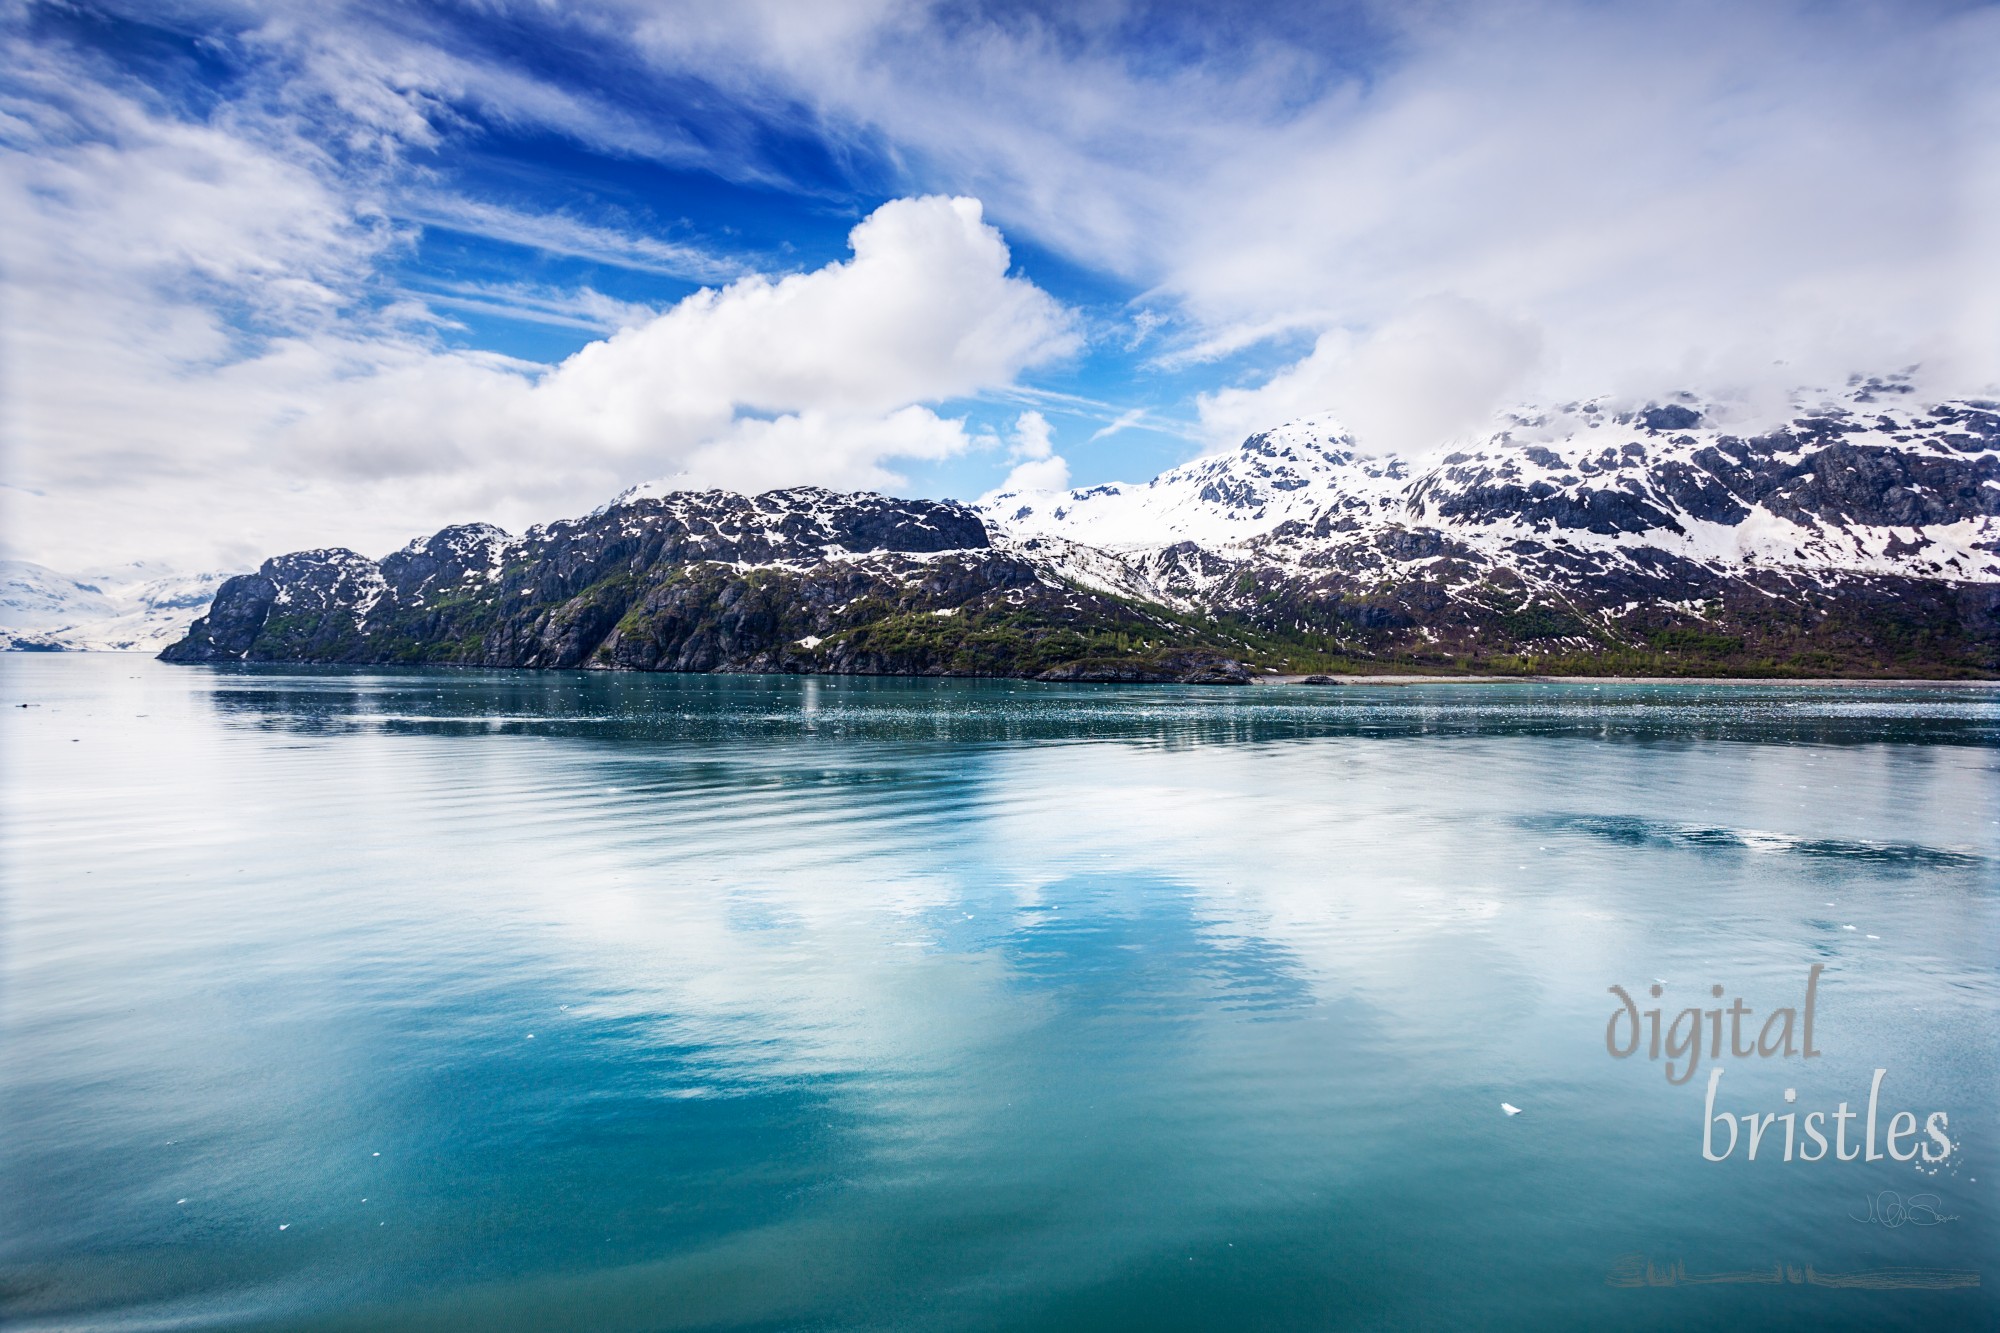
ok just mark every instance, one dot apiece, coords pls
pixel 1860 538
pixel 790 580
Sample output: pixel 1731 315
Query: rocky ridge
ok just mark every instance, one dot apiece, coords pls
pixel 791 580
pixel 1861 536
pixel 1863 532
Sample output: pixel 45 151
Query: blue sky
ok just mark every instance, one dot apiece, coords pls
pixel 291 274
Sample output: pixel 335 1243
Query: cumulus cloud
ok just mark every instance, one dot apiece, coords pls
pixel 924 310
pixel 196 368
pixel 811 378
pixel 1037 465
pixel 1436 372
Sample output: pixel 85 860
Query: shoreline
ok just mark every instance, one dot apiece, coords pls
pixel 1257 678
pixel 1801 682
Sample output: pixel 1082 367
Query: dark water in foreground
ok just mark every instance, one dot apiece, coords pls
pixel 487 1002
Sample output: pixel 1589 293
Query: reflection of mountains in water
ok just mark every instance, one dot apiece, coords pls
pixel 1635 831
pixel 847 985
pixel 688 708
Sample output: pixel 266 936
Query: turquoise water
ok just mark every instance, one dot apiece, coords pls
pixel 447 1000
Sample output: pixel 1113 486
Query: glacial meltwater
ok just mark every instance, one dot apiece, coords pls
pixel 445 1000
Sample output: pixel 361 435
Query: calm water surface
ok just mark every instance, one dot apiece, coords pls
pixel 460 1001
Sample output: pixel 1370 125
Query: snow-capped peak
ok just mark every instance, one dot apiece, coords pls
pixel 1288 473
pixel 1866 479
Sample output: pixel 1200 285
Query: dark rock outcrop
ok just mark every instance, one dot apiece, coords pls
pixel 1861 537
pixel 792 581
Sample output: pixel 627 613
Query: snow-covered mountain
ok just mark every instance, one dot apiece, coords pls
pixel 1860 535
pixel 790 580
pixel 140 607
pixel 1864 482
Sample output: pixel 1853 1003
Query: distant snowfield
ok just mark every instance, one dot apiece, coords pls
pixel 137 608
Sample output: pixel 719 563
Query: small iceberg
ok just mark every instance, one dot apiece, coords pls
pixel 1510 1108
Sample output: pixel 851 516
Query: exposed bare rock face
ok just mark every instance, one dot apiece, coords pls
pixel 791 580
pixel 1861 537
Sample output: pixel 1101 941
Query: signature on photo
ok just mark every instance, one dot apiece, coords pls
pixel 1893 1210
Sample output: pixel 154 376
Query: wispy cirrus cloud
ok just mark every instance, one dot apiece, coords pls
pixel 582 308
pixel 560 234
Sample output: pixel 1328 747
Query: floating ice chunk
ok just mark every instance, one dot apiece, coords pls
pixel 1510 1108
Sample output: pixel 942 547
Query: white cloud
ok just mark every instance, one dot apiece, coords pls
pixel 719 386
pixel 1034 438
pixel 1123 422
pixel 1042 474
pixel 924 310
pixel 845 451
pixel 556 233
pixel 573 308
pixel 1037 466
pixel 1436 372
pixel 1661 197
pixel 1455 205
pixel 1686 194
pixel 393 86
pixel 195 370
pixel 202 362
